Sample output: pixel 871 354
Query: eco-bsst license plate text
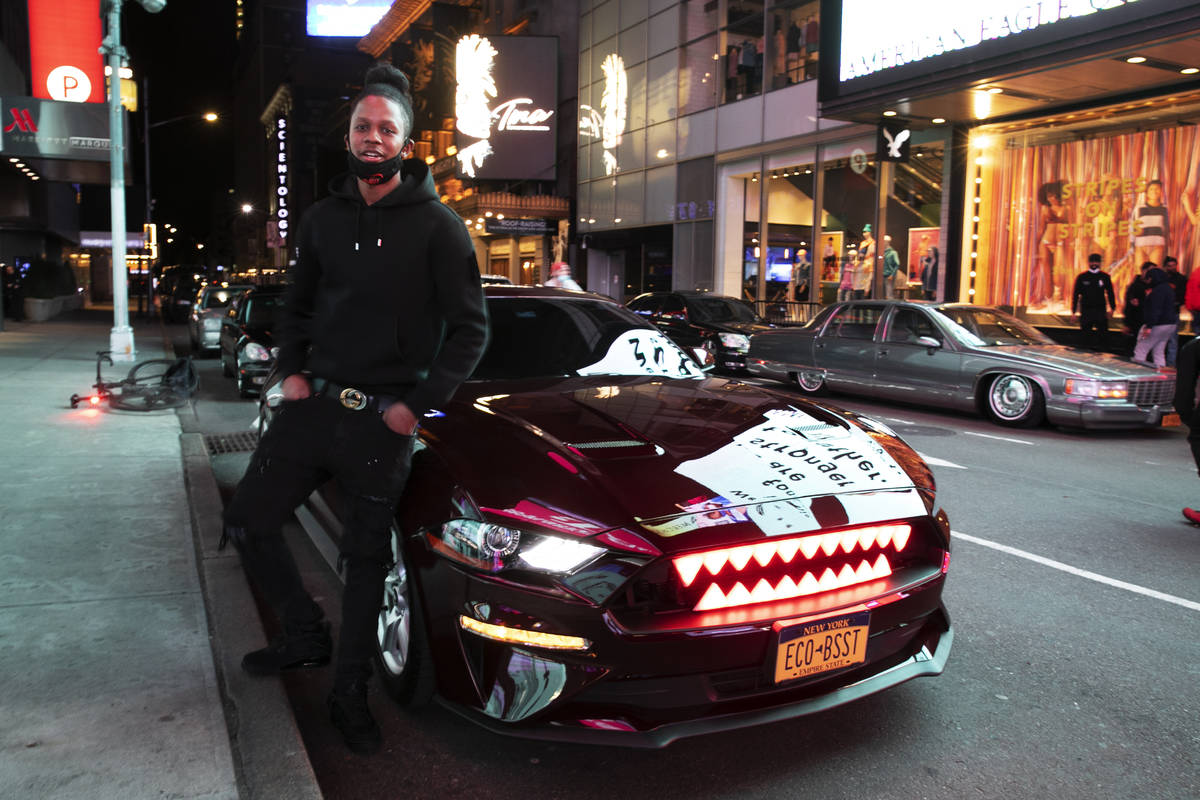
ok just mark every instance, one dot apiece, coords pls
pixel 810 647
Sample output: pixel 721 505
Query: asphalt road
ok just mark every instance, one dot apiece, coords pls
pixel 1075 594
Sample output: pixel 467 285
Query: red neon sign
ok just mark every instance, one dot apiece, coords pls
pixel 64 50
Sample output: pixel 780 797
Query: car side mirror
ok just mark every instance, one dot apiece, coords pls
pixel 703 357
pixel 928 341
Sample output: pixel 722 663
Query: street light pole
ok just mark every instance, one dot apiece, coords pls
pixel 121 337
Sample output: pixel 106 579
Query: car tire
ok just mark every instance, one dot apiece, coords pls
pixel 243 392
pixel 402 650
pixel 810 381
pixel 1015 401
pixel 225 370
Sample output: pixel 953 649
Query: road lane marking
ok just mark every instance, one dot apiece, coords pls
pixel 901 421
pixel 998 438
pixel 1081 573
pixel 937 462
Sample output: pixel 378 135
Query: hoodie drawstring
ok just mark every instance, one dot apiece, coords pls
pixel 357 221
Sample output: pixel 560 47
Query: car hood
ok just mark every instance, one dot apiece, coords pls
pixel 748 328
pixel 668 462
pixel 1068 359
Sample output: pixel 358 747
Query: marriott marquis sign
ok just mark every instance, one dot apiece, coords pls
pixel 880 35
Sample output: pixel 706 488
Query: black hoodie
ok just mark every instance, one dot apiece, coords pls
pixel 386 297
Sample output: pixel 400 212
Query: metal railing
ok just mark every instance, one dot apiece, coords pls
pixel 786 312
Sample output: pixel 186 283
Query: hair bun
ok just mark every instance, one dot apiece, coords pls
pixel 388 75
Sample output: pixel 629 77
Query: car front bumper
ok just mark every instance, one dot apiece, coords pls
pixel 648 687
pixel 1106 414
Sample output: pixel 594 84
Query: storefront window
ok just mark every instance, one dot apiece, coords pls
pixel 792 43
pixel 742 61
pixel 789 230
pixel 914 223
pixel 700 78
pixel 847 246
pixel 699 18
pixel 1039 202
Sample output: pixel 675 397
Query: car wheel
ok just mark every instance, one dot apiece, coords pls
pixel 810 381
pixel 241 385
pixel 402 648
pixel 1015 400
pixel 225 370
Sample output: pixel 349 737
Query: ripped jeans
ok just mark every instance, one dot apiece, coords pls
pixel 310 442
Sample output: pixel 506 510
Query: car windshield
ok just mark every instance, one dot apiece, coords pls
pixel 537 337
pixel 987 327
pixel 719 309
pixel 219 298
pixel 261 310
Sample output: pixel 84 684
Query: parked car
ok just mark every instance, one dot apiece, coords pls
pixel 208 309
pixel 972 358
pixel 598 542
pixel 177 290
pixel 247 345
pixel 695 321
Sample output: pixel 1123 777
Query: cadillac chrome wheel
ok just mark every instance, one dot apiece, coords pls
pixel 1015 400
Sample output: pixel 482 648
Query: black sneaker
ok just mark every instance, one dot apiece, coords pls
pixel 310 648
pixel 349 713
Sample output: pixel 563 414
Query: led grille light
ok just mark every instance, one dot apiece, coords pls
pixel 810 582
pixel 503 633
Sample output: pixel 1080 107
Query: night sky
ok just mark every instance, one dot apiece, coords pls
pixel 187 51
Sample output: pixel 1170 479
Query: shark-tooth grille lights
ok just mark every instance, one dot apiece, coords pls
pixel 792 567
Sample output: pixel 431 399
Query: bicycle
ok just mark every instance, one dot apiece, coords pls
pixel 153 385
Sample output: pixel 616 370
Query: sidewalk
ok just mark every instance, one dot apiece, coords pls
pixel 109 685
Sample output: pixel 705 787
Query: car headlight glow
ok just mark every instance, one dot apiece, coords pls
pixel 256 352
pixel 1102 390
pixel 495 548
pixel 736 341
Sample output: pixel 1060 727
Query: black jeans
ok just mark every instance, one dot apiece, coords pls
pixel 309 442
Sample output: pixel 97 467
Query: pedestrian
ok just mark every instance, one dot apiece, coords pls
pixel 1179 287
pixel 929 269
pixel 1091 300
pixel 1135 296
pixel 891 266
pixel 383 318
pixel 1159 318
pixel 560 277
pixel 1191 298
pixel 1187 372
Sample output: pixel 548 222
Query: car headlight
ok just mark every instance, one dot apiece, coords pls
pixel 1102 390
pixel 256 352
pixel 735 341
pixel 495 548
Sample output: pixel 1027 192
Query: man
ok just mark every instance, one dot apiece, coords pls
pixel 1188 371
pixel 891 265
pixel 383 319
pixel 1135 296
pixel 1159 319
pixel 560 277
pixel 929 269
pixel 1092 298
pixel 1179 286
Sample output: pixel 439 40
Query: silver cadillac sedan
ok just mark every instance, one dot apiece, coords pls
pixel 967 357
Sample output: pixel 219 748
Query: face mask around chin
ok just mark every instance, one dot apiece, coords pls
pixel 375 172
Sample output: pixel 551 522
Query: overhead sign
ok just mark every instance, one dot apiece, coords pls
pixel 877 37
pixel 344 17
pixel 51 129
pixel 505 105
pixel 64 50
pixel 103 240
pixel 520 227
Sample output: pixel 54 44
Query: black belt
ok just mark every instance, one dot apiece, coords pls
pixel 351 398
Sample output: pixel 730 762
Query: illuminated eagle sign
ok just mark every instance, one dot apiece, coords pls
pixel 515 137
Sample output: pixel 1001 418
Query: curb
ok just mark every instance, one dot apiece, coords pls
pixel 269 756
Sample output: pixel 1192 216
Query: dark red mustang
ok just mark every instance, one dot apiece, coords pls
pixel 601 543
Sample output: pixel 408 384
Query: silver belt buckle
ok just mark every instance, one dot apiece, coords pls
pixel 353 399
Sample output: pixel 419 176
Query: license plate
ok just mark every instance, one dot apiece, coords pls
pixel 1171 420
pixel 810 647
